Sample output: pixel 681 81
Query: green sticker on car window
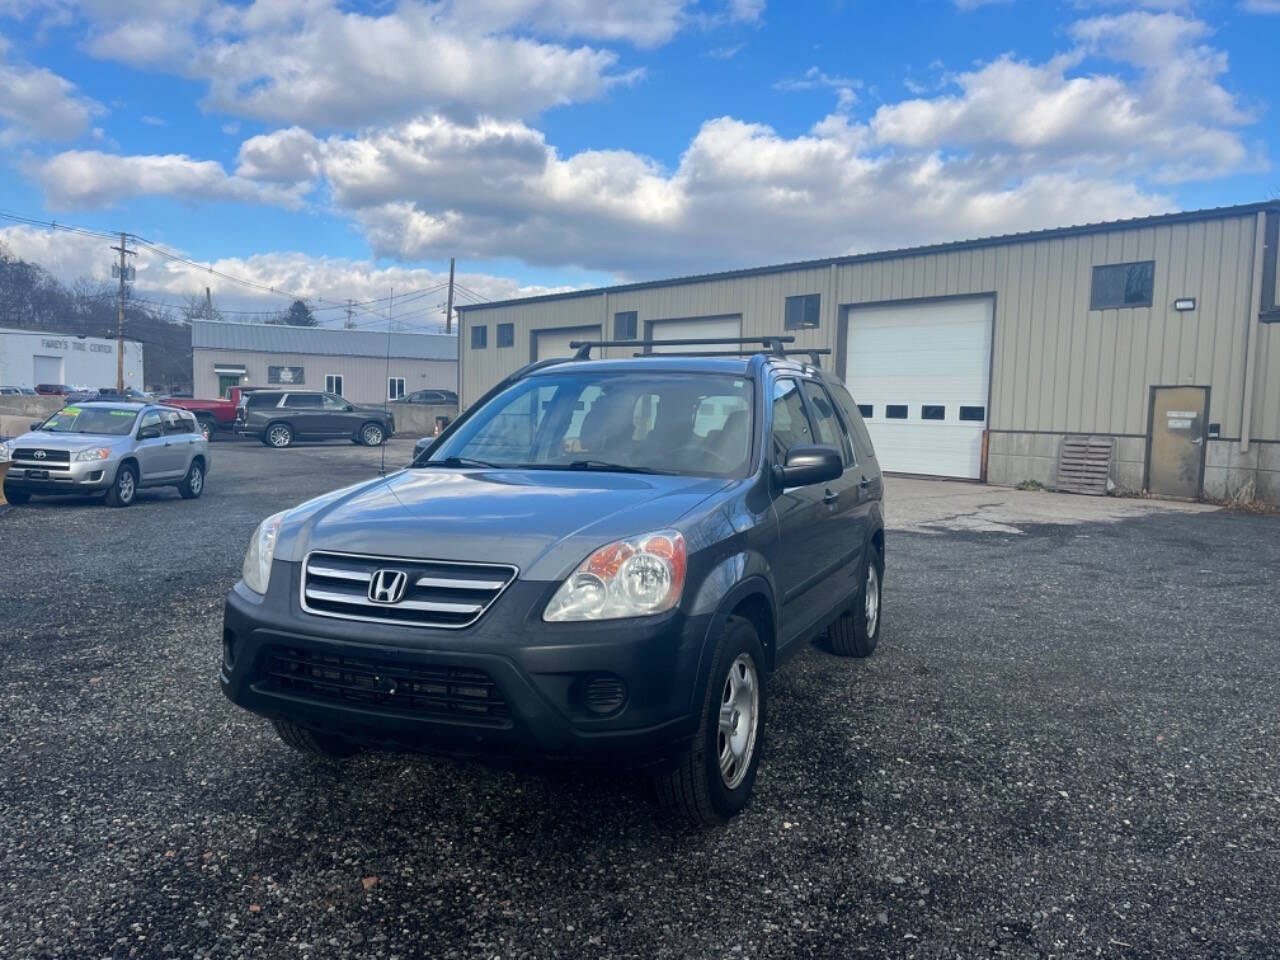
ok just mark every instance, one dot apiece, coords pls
pixel 70 410
pixel 123 413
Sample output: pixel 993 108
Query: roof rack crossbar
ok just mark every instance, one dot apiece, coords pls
pixel 812 354
pixel 771 343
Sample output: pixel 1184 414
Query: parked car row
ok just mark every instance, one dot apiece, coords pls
pixel 6 391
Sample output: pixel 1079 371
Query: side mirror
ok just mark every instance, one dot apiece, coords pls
pixel 807 465
pixel 350 408
pixel 148 433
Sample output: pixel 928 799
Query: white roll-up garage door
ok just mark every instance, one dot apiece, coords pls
pixel 555 343
pixel 702 327
pixel 920 373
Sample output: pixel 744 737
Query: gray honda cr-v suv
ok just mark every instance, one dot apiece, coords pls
pixel 600 562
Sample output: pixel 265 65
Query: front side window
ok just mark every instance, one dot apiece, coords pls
pixel 1123 285
pixel 333 403
pixel 92 420
pixel 827 422
pixel 150 421
pixel 790 423
pixel 803 313
pixel 698 425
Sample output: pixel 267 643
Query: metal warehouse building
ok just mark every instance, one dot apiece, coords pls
pixel 1160 336
pixel 29 357
pixel 362 365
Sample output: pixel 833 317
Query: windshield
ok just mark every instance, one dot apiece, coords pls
pixel 700 425
pixel 112 423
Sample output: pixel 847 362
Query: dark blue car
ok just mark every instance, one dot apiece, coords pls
pixel 601 562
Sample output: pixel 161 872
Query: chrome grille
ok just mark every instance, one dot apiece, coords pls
pixel 39 459
pixel 436 593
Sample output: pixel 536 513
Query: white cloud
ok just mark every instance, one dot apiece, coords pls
pixel 324 280
pixel 37 103
pixel 1174 123
pixel 1260 6
pixel 91 179
pixel 284 156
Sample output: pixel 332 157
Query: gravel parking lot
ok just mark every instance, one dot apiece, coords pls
pixel 1065 746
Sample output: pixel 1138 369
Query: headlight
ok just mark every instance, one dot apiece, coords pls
pixel 93 453
pixel 4 452
pixel 629 578
pixel 262 550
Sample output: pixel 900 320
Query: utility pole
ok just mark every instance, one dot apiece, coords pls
pixel 208 304
pixel 350 325
pixel 124 273
pixel 448 310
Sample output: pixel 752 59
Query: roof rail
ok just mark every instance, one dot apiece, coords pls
pixel 814 354
pixel 770 343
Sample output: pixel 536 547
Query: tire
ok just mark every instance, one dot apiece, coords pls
pixel 207 428
pixel 857 631
pixel 314 744
pixel 713 777
pixel 278 435
pixel 373 435
pixel 17 497
pixel 192 484
pixel 124 489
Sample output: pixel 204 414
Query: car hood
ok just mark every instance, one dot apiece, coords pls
pixel 65 441
pixel 543 521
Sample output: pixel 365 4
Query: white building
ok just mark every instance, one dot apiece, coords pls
pixel 29 357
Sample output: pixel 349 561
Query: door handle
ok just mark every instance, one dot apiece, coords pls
pixel 830 496
pixel 1198 440
pixel 864 482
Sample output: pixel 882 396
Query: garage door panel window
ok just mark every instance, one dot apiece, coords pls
pixel 933 411
pixel 803 312
pixel 866 409
pixel 896 411
pixel 973 414
pixel 1123 285
pixel 826 422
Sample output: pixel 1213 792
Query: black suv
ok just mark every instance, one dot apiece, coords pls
pixel 600 562
pixel 278 417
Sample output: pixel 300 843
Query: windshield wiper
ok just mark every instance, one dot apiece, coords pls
pixel 460 462
pixel 606 467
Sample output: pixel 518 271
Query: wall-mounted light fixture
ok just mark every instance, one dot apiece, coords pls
pixel 1184 303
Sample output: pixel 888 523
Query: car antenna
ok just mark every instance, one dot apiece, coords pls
pixel 382 468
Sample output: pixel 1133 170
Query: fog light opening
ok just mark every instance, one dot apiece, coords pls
pixel 604 694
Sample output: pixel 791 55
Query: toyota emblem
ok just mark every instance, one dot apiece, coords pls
pixel 40 454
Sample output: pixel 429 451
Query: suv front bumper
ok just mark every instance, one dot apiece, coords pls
pixel 87 476
pixel 547 677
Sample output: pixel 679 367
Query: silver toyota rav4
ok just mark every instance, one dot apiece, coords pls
pixel 116 448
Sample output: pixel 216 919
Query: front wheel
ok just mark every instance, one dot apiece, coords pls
pixel 857 631
pixel 372 435
pixel 125 487
pixel 192 484
pixel 712 779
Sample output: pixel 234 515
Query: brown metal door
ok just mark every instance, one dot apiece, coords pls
pixel 1176 441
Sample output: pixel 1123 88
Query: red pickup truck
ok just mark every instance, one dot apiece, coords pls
pixel 213 415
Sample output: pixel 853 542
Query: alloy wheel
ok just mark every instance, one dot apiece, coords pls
pixel 872 601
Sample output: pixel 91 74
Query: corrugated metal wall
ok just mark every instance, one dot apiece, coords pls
pixel 1057 365
pixel 364 378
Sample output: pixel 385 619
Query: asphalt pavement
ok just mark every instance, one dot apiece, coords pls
pixel 1066 746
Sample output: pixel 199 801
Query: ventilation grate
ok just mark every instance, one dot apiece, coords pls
pixel 1084 465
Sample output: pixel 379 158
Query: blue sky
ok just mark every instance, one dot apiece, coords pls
pixel 337 149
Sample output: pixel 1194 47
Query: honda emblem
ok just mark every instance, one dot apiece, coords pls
pixel 388 586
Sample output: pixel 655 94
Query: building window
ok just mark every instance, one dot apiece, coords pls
pixel 625 325
pixel 931 411
pixel 802 312
pixel 506 334
pixel 1123 285
pixel 333 383
pixel 867 409
pixel 896 411
pixel 973 414
pixel 479 337
pixel 395 387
